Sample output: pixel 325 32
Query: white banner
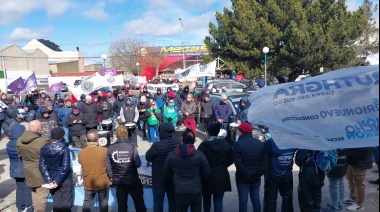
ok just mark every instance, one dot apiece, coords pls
pixel 207 70
pixel 96 81
pixel 339 109
pixel 188 74
pixel 152 88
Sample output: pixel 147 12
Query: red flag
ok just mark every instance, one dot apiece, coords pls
pixel 73 99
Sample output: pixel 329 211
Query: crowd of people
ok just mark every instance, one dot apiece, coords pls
pixel 40 130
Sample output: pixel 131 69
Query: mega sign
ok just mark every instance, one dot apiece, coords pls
pixel 180 49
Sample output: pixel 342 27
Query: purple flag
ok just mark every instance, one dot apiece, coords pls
pixel 30 83
pixel 56 87
pixel 16 86
pixel 108 70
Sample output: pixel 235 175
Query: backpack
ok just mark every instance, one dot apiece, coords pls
pixel 326 160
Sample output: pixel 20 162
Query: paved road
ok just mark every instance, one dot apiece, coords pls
pixel 7 185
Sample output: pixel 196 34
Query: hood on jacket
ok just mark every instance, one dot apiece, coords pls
pixel 184 150
pixel 44 110
pixel 186 87
pixel 159 89
pixel 52 149
pixel 245 99
pixel 130 99
pixel 166 130
pixel 29 136
pixel 213 143
pixel 16 131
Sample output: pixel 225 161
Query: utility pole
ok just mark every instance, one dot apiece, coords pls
pixel 183 51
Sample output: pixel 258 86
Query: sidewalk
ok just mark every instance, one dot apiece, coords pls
pixel 7 186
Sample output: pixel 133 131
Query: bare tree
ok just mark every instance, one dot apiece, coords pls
pixel 368 40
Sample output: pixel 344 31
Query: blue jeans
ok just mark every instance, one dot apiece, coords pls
pixel 143 127
pixel 336 188
pixel 153 132
pixel 159 196
pixel 217 199
pixel 253 190
pixel 23 195
pixel 67 137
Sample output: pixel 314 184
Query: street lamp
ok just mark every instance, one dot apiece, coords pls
pixel 265 51
pixel 138 69
pixel 183 52
pixel 104 57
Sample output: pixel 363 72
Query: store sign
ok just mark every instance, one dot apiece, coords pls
pixel 180 49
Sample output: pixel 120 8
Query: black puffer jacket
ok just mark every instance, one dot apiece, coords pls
pixel 117 105
pixel 122 162
pixel 219 156
pixel 76 129
pixel 9 123
pixel 91 111
pixel 143 115
pixel 360 157
pixel 187 167
pixel 341 165
pixel 159 151
pixel 48 123
pixel 250 158
pixel 55 163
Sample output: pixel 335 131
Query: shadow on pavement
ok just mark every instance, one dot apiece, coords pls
pixel 3 154
pixel 7 187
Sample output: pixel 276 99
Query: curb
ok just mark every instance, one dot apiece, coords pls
pixel 6 204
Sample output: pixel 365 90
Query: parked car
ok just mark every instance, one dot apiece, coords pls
pixel 77 82
pixel 230 84
pixel 64 88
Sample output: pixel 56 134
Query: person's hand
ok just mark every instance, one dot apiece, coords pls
pixel 143 110
pixel 187 114
pixel 238 122
pixel 170 119
pixel 220 120
pixel 79 121
pixel 75 121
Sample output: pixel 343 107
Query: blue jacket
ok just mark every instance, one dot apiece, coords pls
pixel 16 169
pixel 281 159
pixel 223 111
pixel 55 163
pixel 243 112
pixel 62 115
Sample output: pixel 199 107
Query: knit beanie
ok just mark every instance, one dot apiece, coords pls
pixel 121 132
pixel 213 129
pixel 245 128
pixel 57 133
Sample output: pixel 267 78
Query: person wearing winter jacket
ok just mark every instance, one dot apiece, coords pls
pixel 130 114
pixel 187 167
pixel 157 155
pixel 188 109
pixel 159 98
pixel 55 167
pixel 91 110
pixel 251 161
pixel 16 171
pixel 122 170
pixel 243 110
pixel 278 178
pixel 185 93
pixel 311 181
pixel 154 117
pixel 219 156
pixel 134 98
pixel 106 109
pixel 76 121
pixel 30 113
pixel 9 122
pixel 223 111
pixel 207 111
pixel 145 93
pixel 359 160
pixel 143 107
pixel 336 183
pixel 48 122
pixel 171 113
pixel 120 100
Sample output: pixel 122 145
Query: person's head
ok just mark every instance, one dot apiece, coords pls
pixel 3 96
pixel 153 104
pixel 171 103
pixel 88 99
pixel 142 100
pixel 45 112
pixel 224 99
pixel 171 95
pixel 130 93
pixel 213 129
pixel 92 138
pixel 57 96
pixel 186 88
pixel 95 99
pixel 61 102
pixel 16 99
pixel 66 97
pixel 206 97
pixel 188 137
pixel 109 94
pixel 100 94
pixel 20 113
pixel 48 105
pixel 68 103
pixel 145 89
pixel 166 130
pixel 120 95
pixel 128 101
pixel 121 132
pixel 189 98
pixel 47 97
pixel 43 95
pixel 57 133
pixel 245 128
pixel 158 91
pixel 76 110
pixel 25 107
pixel 83 97
pixel 103 99
pixel 243 103
pixel 262 76
pixel 35 126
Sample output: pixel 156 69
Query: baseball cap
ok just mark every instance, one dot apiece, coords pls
pixel 171 101
pixel 21 111
pixel 224 96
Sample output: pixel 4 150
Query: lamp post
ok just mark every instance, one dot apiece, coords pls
pixel 183 52
pixel 265 51
pixel 104 57
pixel 138 69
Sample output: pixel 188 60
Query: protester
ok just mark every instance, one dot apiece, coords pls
pixel 261 82
pixel 143 115
pixel 219 156
pixel 95 179
pixel 154 117
pixel 223 111
pixel 16 171
pixel 47 105
pixel 311 181
pixel 48 122
pixel 336 183
pixel 106 109
pixel 157 155
pixel 122 170
pixel 134 98
pixel 184 93
pixel 242 115
pixel 76 121
pixel 279 177
pixel 30 113
pixel 145 93
pixel 187 167
pixel 55 167
pixel 207 111
pixel 118 103
pixel 91 111
pixel 171 113
pixel 81 101
pixel 63 113
pixel 251 161
pixel 130 114
pixel 9 122
pixel 359 160
pixel 110 98
pixel 29 148
pixel 188 109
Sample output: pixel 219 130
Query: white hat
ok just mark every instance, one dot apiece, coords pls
pixel 143 99
pixel 224 96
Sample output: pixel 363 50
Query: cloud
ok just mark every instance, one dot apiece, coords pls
pixel 26 34
pixel 97 12
pixel 16 10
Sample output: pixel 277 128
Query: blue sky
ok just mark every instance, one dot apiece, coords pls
pixel 93 24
